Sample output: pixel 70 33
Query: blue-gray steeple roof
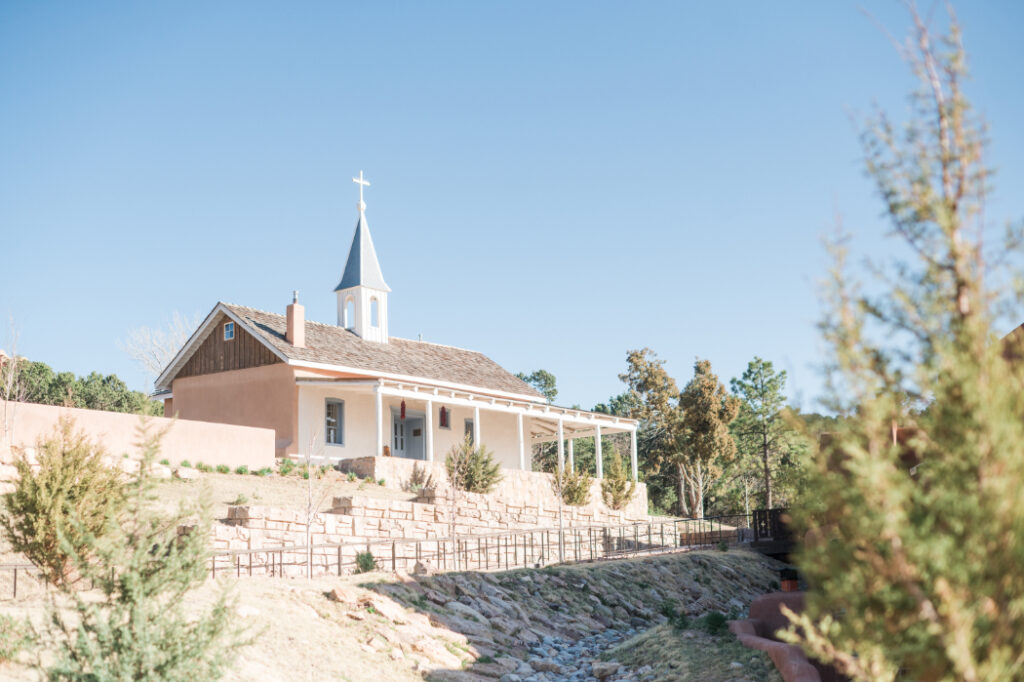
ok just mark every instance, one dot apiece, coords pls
pixel 362 268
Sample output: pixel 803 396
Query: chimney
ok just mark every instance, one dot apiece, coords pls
pixel 296 333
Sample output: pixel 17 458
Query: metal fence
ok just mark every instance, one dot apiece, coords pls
pixel 489 551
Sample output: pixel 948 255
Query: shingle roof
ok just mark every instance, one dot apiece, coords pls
pixel 329 344
pixel 362 267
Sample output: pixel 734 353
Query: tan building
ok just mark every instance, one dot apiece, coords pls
pixel 351 390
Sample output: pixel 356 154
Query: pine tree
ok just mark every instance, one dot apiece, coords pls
pixel 913 519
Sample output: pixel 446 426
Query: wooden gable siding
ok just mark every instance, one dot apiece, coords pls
pixel 217 355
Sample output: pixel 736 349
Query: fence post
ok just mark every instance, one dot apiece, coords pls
pixel 15 582
pixel 339 559
pixel 394 556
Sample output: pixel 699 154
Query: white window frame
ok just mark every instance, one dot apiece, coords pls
pixel 339 428
pixel 229 331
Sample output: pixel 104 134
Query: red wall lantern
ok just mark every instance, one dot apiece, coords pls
pixel 403 409
pixel 443 417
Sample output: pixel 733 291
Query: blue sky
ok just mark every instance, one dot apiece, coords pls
pixel 553 183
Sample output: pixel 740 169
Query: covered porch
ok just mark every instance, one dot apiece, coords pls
pixel 420 421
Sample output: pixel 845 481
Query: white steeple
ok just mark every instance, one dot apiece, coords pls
pixel 362 292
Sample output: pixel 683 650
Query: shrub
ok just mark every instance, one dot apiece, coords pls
pixel 205 468
pixel 472 468
pixel 242 470
pixel 616 487
pixel 285 466
pixel 574 486
pixel 56 508
pixel 185 464
pixel 265 471
pixel 381 482
pixel 305 474
pixel 240 499
pixel 15 635
pixel 166 462
pixel 143 625
pixel 351 477
pixel 723 546
pixel 365 562
pixel 223 469
pixel 713 623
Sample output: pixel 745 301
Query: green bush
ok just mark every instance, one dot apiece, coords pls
pixel 351 477
pixel 185 464
pixel 381 482
pixel 616 487
pixel 166 462
pixel 723 546
pixel 15 636
pixel 142 624
pixel 223 469
pixel 57 506
pixel 365 562
pixel 305 474
pixel 472 468
pixel 713 623
pixel 265 471
pixel 573 485
pixel 240 499
pixel 242 470
pixel 285 466
pixel 205 468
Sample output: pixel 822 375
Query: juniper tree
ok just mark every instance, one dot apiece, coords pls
pixel 915 537
pixel 143 626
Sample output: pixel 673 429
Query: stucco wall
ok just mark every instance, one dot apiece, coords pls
pixel 117 433
pixel 259 396
pixel 497 430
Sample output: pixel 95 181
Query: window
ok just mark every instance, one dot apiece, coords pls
pixel 469 431
pixel 350 313
pixel 374 312
pixel 335 422
pixel 229 331
pixel 444 418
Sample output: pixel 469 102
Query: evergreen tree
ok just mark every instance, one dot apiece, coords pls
pixel 705 442
pixel 143 626
pixel 915 536
pixel 761 430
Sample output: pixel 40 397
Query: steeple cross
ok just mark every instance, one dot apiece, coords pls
pixel 362 183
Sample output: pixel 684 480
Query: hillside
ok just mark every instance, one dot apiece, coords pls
pixel 526 624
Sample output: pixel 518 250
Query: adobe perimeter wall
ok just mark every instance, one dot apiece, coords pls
pixel 517 487
pixel 117 432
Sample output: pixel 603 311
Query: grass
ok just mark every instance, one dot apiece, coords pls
pixel 242 470
pixel 693 656
pixel 223 469
pixel 185 464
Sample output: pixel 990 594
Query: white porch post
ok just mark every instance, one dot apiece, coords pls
pixel 561 447
pixel 476 426
pixel 572 459
pixel 430 431
pixel 597 451
pixel 379 412
pixel 522 443
pixel 632 452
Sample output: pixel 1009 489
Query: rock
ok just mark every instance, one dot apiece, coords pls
pixel 735 664
pixel 423 568
pixel 247 611
pixel 186 474
pixel 603 669
pixel 547 665
pixel 464 611
pixel 160 471
pixel 343 595
pixel 437 653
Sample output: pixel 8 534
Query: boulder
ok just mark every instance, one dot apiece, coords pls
pixel 186 474
pixel 603 669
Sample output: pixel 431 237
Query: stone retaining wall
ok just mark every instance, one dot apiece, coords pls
pixel 517 487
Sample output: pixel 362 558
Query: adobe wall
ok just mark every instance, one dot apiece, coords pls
pixel 517 487
pixel 117 432
pixel 259 396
